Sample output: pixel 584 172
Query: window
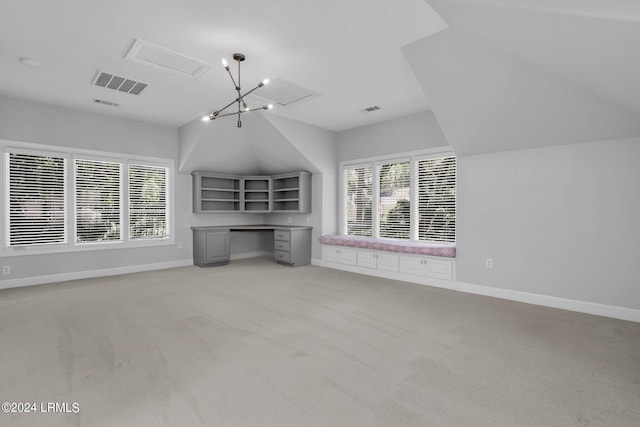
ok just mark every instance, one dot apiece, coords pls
pixel 97 202
pixel 148 205
pixel 359 201
pixel 413 198
pixel 437 199
pixel 394 207
pixel 97 197
pixel 36 208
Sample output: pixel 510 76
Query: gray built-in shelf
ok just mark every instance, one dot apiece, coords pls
pixel 282 193
pixel 291 192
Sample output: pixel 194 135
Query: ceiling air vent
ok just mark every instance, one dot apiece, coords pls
pixel 371 109
pixel 109 103
pixel 123 84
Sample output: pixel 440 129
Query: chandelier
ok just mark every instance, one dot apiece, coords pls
pixel 240 100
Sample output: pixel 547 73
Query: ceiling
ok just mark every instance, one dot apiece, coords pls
pixel 348 53
pixel 520 74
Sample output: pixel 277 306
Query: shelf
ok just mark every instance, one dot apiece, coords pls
pixel 284 193
pixel 230 190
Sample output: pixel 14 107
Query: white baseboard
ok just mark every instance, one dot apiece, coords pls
pixel 597 309
pixel 615 312
pixel 76 275
pixel 317 262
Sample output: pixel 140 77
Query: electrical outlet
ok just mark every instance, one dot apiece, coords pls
pixel 308 220
pixel 6 269
pixel 489 263
pixel 180 245
pixel 288 220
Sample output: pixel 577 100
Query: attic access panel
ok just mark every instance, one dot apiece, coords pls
pixel 167 60
pixel 283 93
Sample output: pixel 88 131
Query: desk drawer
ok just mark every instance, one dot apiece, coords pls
pixel 282 256
pixel 282 246
pixel 282 235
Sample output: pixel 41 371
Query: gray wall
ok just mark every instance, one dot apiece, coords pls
pixel 45 124
pixel 415 132
pixel 559 221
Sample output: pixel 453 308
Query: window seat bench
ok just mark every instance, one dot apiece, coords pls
pixel 426 264
pixel 415 248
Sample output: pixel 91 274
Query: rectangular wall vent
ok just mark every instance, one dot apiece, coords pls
pixel 122 84
pixel 109 103
pixel 370 109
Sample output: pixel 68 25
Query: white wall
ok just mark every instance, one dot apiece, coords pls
pixel 318 147
pixel 27 121
pixel 415 132
pixel 559 221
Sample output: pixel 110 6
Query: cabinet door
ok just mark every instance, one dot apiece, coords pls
pixel 412 265
pixel 439 269
pixel 367 259
pixel 339 254
pixel 216 247
pixel 387 262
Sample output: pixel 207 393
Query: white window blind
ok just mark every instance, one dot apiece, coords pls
pixel 359 203
pixel 97 202
pixel 437 199
pixel 148 202
pixel 394 208
pixel 36 208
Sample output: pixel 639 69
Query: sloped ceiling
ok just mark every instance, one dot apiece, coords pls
pixel 521 73
pixel 256 148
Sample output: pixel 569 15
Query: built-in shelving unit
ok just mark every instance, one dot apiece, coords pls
pixel 291 192
pixel 215 193
pixel 256 192
pixel 282 193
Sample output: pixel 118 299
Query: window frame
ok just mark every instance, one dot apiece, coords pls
pixel 70 154
pixel 376 163
pixel 344 193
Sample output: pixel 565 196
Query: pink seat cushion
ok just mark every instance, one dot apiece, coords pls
pixel 444 249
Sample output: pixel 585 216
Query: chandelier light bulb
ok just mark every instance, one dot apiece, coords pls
pixel 239 100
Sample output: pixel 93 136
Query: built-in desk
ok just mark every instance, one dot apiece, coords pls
pixel 291 243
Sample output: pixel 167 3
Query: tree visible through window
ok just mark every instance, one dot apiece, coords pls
pixel 94 202
pixel 36 199
pixel 416 199
pixel 437 199
pixel 395 201
pixel 148 203
pixel 359 201
pixel 97 204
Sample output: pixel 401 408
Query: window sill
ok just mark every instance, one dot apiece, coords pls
pixel 84 247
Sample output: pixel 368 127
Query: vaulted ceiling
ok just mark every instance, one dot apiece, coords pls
pixel 347 53
pixel 527 73
pixel 498 74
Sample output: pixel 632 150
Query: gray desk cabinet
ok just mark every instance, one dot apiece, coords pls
pixel 291 243
pixel 292 246
pixel 211 247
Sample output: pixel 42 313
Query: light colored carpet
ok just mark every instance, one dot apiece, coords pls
pixel 258 344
